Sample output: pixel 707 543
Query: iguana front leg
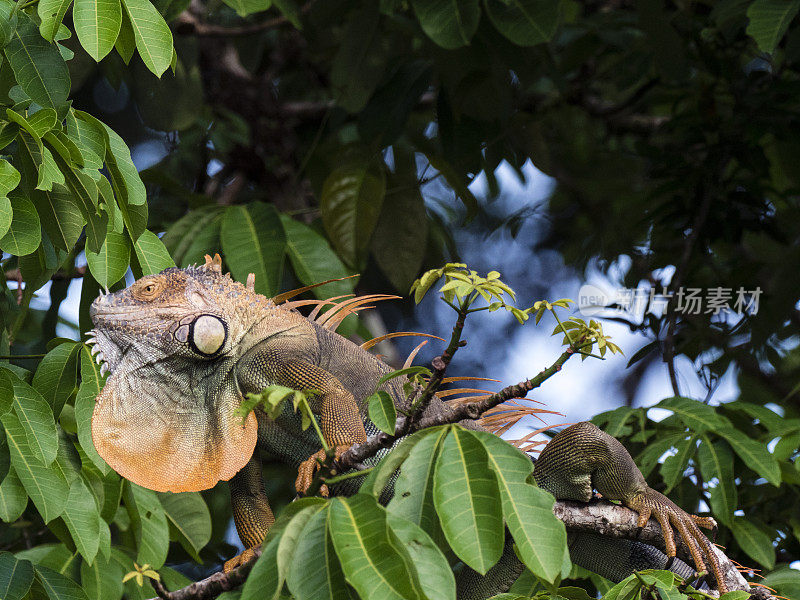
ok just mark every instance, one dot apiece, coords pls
pixel 340 419
pixel 582 458
pixel 251 511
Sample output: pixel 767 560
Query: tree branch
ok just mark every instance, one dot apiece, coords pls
pixel 612 520
pixel 76 273
pixel 210 587
pixel 188 24
pixel 355 456
pixel 601 518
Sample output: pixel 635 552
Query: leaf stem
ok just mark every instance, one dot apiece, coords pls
pixel 346 476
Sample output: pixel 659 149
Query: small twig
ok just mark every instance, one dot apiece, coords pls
pixel 211 586
pixel 355 456
pixel 346 476
pixel 76 273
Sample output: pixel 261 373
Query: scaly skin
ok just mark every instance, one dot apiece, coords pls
pixel 185 346
pixel 583 458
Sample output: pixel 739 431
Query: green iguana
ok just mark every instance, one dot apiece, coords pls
pixel 183 348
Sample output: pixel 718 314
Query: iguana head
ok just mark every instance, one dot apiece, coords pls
pixel 165 418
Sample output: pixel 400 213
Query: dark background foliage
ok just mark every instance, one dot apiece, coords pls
pixel 311 141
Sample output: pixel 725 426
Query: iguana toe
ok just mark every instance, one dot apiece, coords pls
pixel 240 559
pixel 670 516
pixel 307 469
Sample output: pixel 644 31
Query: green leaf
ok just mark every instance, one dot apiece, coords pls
pixel 57 375
pixel 13 497
pixel 383 120
pixel 254 242
pixel 16 577
pixel 449 23
pixel 38 66
pixel 673 466
pixel 36 418
pixel 435 576
pixel 189 514
pixel 315 572
pixel 6 215
pixel 149 523
pixel 313 259
pixel 769 20
pixel 126 41
pixel 91 384
pixel 754 542
pixel 291 535
pixel 151 255
pixel 468 502
pixel 735 595
pixel 45 487
pixel 51 12
pixel 49 173
pixel 193 235
pixel 110 264
pixel 102 579
pixel 371 563
pixel 9 179
pixel 525 22
pixel 84 191
pixel 382 411
pixel 248 7
pixel 90 137
pixel 43 121
pixel 97 24
pixel 541 539
pixel 716 461
pixel 267 577
pixel 25 233
pixel 82 519
pixel 413 497
pixel 786 580
pixel 6 391
pixel 401 234
pixel 697 416
pixel 7 21
pixel 263 582
pixel 754 454
pixel 351 201
pixel 360 62
pixel 60 216
pixel 128 186
pixel 152 34
pixel 57 586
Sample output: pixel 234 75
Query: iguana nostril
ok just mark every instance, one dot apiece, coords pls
pixel 208 334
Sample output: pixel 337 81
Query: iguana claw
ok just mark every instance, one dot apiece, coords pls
pixel 669 515
pixel 307 468
pixel 240 559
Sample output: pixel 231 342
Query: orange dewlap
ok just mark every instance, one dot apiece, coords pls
pixel 180 454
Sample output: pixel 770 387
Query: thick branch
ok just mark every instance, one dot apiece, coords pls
pixel 211 586
pixel 612 520
pixel 601 518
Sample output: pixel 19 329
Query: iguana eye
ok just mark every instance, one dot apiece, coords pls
pixel 208 334
pixel 147 291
